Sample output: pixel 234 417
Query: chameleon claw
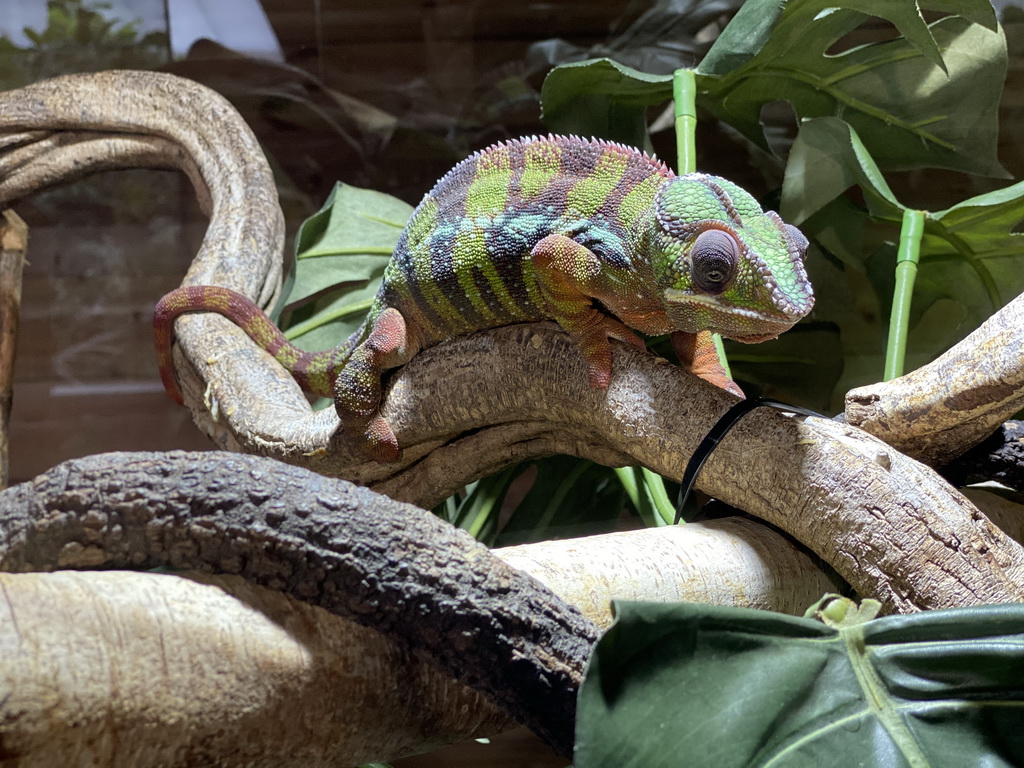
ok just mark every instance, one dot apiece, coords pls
pixel 381 443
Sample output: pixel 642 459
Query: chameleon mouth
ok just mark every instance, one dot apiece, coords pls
pixel 692 313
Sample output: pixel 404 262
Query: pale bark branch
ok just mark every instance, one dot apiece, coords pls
pixel 381 563
pixel 889 526
pixel 143 670
pixel 942 409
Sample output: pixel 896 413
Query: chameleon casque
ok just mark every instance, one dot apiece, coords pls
pixel 600 237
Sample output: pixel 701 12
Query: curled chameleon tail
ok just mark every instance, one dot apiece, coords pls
pixel 314 371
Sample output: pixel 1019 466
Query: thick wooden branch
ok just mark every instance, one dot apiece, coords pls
pixel 891 527
pixel 950 405
pixel 360 555
pixel 143 670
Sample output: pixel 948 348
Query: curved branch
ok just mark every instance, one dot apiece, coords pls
pixel 360 555
pixel 943 409
pixel 892 528
pixel 212 670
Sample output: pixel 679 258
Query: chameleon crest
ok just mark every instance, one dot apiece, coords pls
pixel 597 236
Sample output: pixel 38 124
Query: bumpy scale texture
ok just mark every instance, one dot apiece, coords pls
pixel 597 236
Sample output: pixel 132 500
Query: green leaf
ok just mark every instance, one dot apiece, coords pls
pixel 601 97
pixel 980 232
pixel 569 497
pixel 341 252
pixel 802 366
pixel 928 98
pixel 970 252
pixel 908 110
pixel 478 511
pixel 714 686
pixel 348 239
pixel 827 158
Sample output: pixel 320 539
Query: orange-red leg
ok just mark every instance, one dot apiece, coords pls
pixel 697 353
pixel 566 273
pixel 357 390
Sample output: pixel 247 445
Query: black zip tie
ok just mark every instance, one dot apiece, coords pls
pixel 715 436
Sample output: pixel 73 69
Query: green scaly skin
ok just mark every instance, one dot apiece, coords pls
pixel 599 237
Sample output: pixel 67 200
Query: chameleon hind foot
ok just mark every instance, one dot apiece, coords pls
pixel 357 390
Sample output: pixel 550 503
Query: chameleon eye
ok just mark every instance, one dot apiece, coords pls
pixel 713 258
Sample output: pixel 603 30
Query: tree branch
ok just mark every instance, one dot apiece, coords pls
pixel 360 555
pixel 395 569
pixel 891 527
pixel 942 409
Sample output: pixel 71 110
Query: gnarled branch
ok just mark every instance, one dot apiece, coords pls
pixel 891 527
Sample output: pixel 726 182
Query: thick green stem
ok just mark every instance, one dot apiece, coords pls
pixel 906 272
pixel 684 92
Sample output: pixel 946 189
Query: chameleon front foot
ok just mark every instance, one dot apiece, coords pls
pixel 698 355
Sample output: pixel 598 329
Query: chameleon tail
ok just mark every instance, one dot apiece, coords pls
pixel 314 371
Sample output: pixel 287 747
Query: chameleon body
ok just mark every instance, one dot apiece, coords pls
pixel 599 237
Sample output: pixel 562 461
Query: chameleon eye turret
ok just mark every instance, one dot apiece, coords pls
pixel 797 240
pixel 713 260
pixel 732 268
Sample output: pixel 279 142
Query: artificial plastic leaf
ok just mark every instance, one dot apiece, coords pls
pixel 911 106
pixel 908 110
pixel 568 497
pixel 981 232
pixel 600 97
pixel 701 685
pixel 827 158
pixel 970 265
pixel 970 249
pixel 341 254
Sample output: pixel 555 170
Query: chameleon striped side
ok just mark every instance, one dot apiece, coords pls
pixel 464 260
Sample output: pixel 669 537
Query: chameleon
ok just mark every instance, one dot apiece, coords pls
pixel 600 237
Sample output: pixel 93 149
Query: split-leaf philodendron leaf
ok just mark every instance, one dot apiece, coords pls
pixel 699 685
pixel 969 252
pixel 927 98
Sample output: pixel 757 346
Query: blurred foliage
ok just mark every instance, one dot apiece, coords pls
pixel 79 37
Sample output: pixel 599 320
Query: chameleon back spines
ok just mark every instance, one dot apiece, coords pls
pixel 463 261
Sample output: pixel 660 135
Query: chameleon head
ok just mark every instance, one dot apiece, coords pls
pixel 725 265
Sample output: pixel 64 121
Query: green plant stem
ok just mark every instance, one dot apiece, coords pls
pixel 646 491
pixel 684 95
pixel 907 257
pixel 559 495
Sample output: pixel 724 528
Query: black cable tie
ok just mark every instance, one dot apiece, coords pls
pixel 715 435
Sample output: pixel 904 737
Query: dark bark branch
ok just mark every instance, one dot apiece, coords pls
pixel 384 564
pixel 1000 458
